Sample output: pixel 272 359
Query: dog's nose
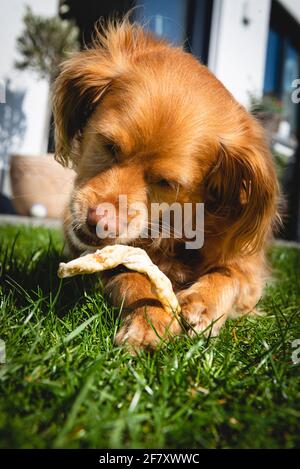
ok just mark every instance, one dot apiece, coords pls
pixel 103 221
pixel 92 217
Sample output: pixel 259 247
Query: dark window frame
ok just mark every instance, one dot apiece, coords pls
pixel 288 29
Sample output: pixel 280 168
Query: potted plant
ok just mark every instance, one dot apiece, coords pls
pixel 40 180
pixel 268 110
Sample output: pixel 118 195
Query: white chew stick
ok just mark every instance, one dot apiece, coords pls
pixel 132 258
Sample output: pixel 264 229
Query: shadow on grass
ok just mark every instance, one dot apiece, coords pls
pixel 34 277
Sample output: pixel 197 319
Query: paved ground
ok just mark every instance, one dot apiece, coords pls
pixel 19 220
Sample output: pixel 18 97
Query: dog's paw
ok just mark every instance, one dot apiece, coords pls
pixel 145 328
pixel 199 317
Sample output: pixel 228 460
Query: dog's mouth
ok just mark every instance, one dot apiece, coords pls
pixel 88 238
pixel 91 239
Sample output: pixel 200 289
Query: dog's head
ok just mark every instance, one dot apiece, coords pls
pixel 141 119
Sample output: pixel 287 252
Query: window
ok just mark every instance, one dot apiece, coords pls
pixel 180 21
pixel 283 63
pixel 164 17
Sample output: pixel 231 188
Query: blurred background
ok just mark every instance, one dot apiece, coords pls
pixel 252 46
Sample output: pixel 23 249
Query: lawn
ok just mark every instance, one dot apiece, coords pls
pixel 66 385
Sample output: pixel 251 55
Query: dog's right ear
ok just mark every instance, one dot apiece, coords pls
pixel 82 82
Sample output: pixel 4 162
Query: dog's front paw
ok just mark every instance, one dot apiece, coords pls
pixel 146 328
pixel 198 315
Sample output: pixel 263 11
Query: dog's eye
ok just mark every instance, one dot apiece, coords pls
pixel 112 148
pixel 165 184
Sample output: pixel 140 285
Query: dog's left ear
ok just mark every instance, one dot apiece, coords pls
pixel 242 192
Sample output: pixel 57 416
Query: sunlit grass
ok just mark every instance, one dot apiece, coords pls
pixel 66 385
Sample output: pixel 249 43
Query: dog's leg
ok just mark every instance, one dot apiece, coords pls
pixel 216 296
pixel 144 322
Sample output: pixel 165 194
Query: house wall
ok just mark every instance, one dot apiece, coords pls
pixel 23 127
pixel 237 53
pixel 237 50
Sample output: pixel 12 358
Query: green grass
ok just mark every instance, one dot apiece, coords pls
pixel 66 385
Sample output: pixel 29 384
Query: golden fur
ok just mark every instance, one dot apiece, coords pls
pixel 137 116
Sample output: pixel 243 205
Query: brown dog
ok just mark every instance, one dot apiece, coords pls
pixel 136 116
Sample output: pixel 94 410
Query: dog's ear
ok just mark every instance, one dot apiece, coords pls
pixel 242 193
pixel 82 82
pixel 86 76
